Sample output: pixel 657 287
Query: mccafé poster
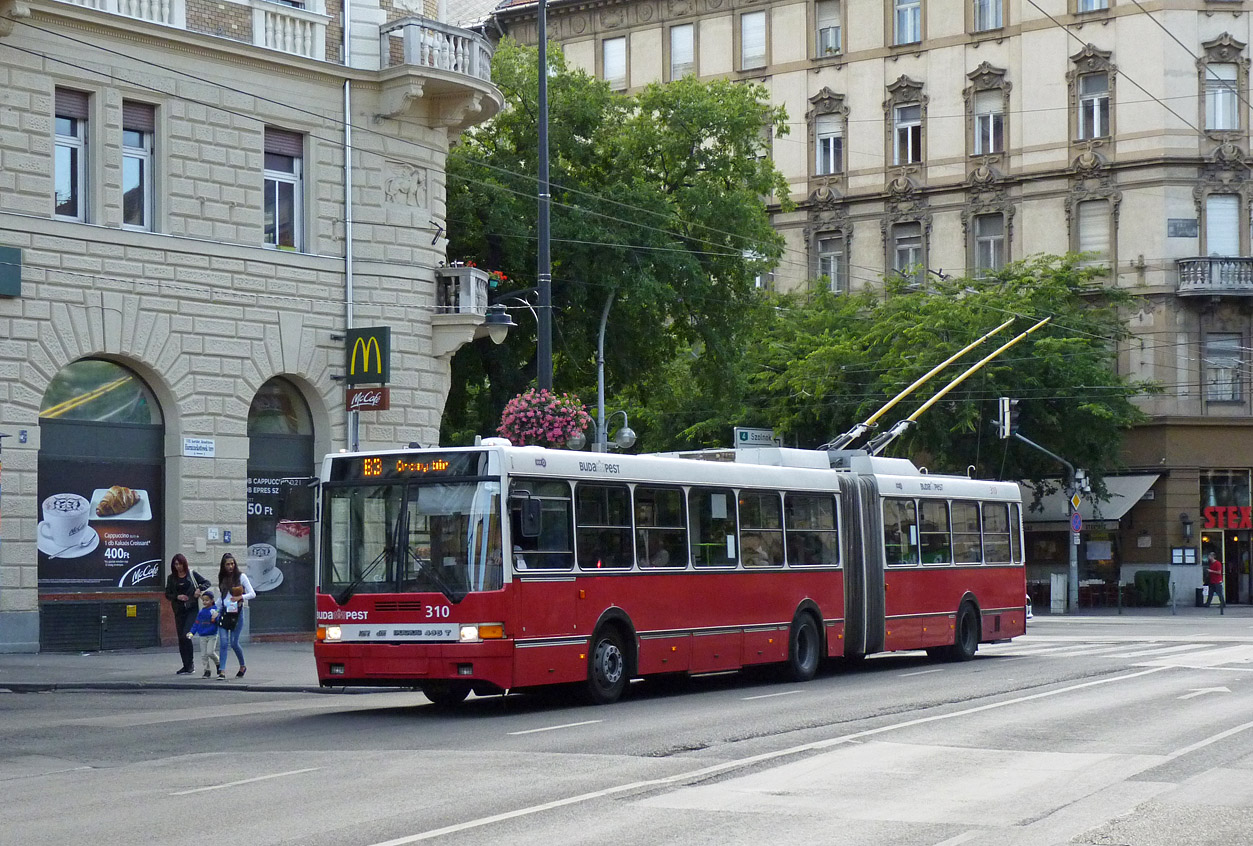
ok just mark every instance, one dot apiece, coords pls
pixel 99 525
pixel 280 535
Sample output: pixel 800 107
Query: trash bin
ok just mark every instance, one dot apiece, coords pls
pixel 1200 597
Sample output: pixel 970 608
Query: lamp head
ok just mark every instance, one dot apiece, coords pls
pixel 576 441
pixel 624 437
pixel 498 323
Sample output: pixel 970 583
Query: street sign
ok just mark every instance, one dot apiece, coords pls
pixel 748 438
pixel 1076 522
pixel 1074 500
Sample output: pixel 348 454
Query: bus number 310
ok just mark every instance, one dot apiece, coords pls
pixel 438 611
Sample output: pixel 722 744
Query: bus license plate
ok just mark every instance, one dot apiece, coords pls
pixel 402 633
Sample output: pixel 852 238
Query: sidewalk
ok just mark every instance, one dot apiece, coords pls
pixel 289 667
pixel 274 667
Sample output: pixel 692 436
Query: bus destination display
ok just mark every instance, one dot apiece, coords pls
pixel 378 468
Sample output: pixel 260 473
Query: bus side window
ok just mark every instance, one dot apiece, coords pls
pixel 936 544
pixel 900 532
pixel 1015 533
pixel 603 538
pixel 996 533
pixel 553 547
pixel 967 547
pixel 809 521
pixel 661 527
pixel 712 512
pixel 761 529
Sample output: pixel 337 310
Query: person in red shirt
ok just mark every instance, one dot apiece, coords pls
pixel 1214 576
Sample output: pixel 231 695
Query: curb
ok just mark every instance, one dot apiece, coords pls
pixel 48 687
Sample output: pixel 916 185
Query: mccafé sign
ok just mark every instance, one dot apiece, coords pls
pixel 368 399
pixel 369 356
pixel 1227 517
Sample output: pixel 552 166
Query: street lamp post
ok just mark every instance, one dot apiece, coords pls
pixel 544 351
pixel 624 437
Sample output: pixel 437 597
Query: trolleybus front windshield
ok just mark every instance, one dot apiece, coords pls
pixel 400 538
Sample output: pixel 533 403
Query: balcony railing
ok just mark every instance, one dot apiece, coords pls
pixel 428 43
pixel 460 290
pixel 170 12
pixel 1230 276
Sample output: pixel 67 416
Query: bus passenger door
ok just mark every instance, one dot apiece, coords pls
pixel 862 537
pixel 547 649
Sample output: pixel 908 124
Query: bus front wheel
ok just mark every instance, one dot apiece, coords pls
pixel 804 647
pixel 607 668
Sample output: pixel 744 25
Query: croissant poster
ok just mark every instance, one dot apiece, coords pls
pixel 99 525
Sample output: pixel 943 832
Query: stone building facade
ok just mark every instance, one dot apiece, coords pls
pixel 951 136
pixel 178 267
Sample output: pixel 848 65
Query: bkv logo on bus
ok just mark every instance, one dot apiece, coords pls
pixel 369 355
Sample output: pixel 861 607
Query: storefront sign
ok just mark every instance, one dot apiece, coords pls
pixel 368 399
pixel 1227 517
pixel 369 355
pixel 99 524
pixel 199 447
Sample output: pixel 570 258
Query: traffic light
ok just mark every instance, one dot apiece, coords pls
pixel 1007 418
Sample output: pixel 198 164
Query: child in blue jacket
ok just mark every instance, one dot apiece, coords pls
pixel 205 630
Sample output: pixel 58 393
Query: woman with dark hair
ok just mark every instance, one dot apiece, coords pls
pixel 230 577
pixel 182 589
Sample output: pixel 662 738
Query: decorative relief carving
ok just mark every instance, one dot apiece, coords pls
pixel 10 10
pixel 406 185
pixel 1092 179
pixel 1225 172
pixel 1224 48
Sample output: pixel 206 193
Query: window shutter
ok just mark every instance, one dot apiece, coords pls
pixel 988 102
pixel 1094 227
pixel 1222 225
pixel 284 143
pixel 615 61
pixel 681 46
pixel 138 117
pixel 753 39
pixel 71 104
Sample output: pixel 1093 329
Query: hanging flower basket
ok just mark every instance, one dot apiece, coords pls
pixel 543 418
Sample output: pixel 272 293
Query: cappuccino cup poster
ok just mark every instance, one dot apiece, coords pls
pixel 99 525
pixel 280 535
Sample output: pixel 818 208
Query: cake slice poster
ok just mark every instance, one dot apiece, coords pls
pixel 280 538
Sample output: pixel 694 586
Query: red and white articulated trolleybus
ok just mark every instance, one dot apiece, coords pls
pixel 496 567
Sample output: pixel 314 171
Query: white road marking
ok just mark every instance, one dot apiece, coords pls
pixel 922 672
pixel 964 837
pixel 769 695
pixel 1160 650
pixel 555 728
pixel 244 781
pixel 1201 691
pixel 705 772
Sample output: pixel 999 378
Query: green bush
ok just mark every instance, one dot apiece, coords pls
pixel 1153 587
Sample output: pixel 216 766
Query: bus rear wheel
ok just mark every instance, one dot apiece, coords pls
pixel 803 650
pixel 966 634
pixel 607 668
pixel 445 694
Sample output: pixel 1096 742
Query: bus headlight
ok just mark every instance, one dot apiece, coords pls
pixel 334 633
pixel 482 631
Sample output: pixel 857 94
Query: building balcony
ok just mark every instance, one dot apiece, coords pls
pixel 460 306
pixel 298 28
pixel 1216 276
pixel 441 72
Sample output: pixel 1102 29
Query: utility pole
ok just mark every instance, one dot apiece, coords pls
pixel 544 273
pixel 1072 500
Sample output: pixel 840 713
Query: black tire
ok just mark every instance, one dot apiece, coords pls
pixel 804 649
pixel 966 635
pixel 445 694
pixel 607 675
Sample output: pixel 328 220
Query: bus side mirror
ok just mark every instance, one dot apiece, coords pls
pixel 530 518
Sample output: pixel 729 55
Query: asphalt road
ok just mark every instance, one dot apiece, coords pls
pixel 1135 731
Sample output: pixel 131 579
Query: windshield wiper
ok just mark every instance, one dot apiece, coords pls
pixel 346 594
pixel 454 594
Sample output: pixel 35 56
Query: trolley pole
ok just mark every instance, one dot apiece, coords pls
pixel 1072 586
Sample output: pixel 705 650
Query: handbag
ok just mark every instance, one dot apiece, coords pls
pixel 228 619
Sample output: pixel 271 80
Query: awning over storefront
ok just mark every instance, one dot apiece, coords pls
pixel 1124 492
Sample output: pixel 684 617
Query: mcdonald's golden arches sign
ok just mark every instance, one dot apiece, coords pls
pixel 369 354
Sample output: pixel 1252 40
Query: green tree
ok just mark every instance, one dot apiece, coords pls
pixel 658 198
pixel 822 362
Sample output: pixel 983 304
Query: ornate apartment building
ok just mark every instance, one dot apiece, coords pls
pixel 197 200
pixel 956 135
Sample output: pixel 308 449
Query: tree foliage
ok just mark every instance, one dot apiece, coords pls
pixel 656 198
pixel 822 362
